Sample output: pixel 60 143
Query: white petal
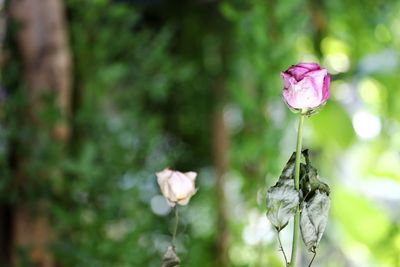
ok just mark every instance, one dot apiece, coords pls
pixel 180 185
pixel 171 196
pixel 163 176
pixel 162 179
pixel 184 201
pixel 191 175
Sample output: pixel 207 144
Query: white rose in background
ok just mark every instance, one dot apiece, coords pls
pixel 177 187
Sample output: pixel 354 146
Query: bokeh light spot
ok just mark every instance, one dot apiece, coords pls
pixel 366 125
pixel 159 205
pixel 337 62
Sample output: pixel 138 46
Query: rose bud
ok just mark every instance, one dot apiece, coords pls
pixel 177 187
pixel 306 87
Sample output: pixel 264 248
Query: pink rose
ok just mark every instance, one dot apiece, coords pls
pixel 306 86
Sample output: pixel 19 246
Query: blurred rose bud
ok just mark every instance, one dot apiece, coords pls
pixel 306 86
pixel 177 187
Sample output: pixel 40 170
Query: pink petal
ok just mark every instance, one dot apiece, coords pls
pixel 302 94
pixel 317 73
pixel 309 65
pixel 318 77
pixel 306 85
pixel 325 92
pixel 286 79
pixel 297 72
pixel 287 98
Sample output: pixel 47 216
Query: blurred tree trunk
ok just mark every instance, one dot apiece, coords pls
pixel 222 32
pixel 220 152
pixel 43 46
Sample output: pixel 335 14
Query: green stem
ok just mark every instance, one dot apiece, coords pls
pixel 176 225
pixel 296 185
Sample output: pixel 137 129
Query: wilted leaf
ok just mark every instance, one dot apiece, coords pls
pixel 170 258
pixel 313 219
pixel 282 203
pixel 309 179
pixel 282 198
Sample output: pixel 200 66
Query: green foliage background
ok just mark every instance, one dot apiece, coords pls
pixel 144 99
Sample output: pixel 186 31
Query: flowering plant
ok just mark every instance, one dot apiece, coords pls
pixel 177 188
pixel 299 193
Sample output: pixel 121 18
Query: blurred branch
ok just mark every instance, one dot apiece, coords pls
pixel 220 152
pixel 318 23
